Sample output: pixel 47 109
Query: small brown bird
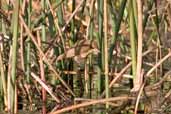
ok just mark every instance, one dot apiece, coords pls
pixel 80 50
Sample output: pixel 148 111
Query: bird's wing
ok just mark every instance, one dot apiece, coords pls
pixel 68 54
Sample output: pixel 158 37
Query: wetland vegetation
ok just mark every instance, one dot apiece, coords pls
pixel 85 56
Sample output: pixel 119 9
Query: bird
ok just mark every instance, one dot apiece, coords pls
pixel 80 51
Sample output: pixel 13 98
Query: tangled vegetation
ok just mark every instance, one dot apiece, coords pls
pixel 85 56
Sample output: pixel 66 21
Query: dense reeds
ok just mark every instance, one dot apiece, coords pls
pixel 60 56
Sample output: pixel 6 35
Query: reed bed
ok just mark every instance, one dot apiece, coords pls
pixel 85 56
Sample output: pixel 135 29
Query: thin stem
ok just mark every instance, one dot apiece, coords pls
pixel 14 57
pixel 138 78
pixel 106 66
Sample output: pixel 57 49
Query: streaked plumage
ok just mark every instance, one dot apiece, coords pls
pixel 80 50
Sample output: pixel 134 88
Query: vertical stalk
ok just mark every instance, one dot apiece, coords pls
pixel 3 79
pixel 43 26
pixel 100 18
pixel 132 38
pixel 100 35
pixel 12 80
pixel 89 35
pixel 158 51
pixel 42 72
pixel 138 78
pixel 60 15
pixel 42 75
pixel 60 24
pixel 3 6
pixel 73 39
pixel 134 5
pixel 100 78
pixel 28 44
pixel 106 66
pixel 73 35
